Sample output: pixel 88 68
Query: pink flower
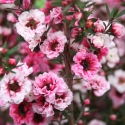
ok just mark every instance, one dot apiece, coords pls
pixel 48 84
pixel 38 119
pixel 96 122
pixel 63 99
pixel 26 4
pixel 87 64
pixel 118 30
pixel 117 98
pixel 12 61
pixel 54 44
pixel 21 113
pixel 57 15
pixel 7 1
pixel 99 26
pixel 99 85
pixel 118 80
pixel 50 92
pixel 41 106
pixel 31 25
pixel 15 86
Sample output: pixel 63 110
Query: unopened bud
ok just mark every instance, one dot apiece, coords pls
pixel 2 71
pixel 87 102
pixel 86 113
pixel 78 15
pixel 113 117
pixel 12 61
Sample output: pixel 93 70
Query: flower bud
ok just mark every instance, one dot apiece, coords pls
pixel 78 15
pixel 2 71
pixel 113 117
pixel 12 61
pixel 89 23
pixel 26 4
pixel 87 102
pixel 118 30
pixel 80 122
pixel 86 113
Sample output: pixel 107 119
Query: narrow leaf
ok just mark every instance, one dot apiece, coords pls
pixel 107 8
pixel 120 14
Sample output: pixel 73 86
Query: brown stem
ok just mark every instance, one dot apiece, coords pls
pixel 67 62
pixel 68 80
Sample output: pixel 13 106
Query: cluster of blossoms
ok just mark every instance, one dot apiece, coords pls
pixel 63 41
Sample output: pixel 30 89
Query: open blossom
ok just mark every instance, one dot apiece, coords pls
pixel 118 30
pixel 63 99
pixel 54 44
pixel 42 106
pixel 101 40
pixel 96 122
pixel 21 113
pixel 98 84
pixel 117 98
pixel 15 86
pixel 31 24
pixel 112 57
pixel 50 92
pixel 38 119
pixel 118 80
pixel 56 14
pixel 86 64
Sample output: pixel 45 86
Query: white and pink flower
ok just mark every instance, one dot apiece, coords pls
pixel 54 44
pixel 31 25
pixel 15 86
pixel 87 64
pixel 57 15
pixel 118 80
pixel 7 1
pixel 98 84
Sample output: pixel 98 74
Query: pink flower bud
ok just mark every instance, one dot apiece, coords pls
pixel 78 15
pixel 12 61
pixel 80 122
pixel 7 1
pixel 2 71
pixel 86 113
pixel 87 102
pixel 64 3
pixel 113 117
pixel 11 18
pixel 3 50
pixel 99 26
pixel 118 30
pixel 26 4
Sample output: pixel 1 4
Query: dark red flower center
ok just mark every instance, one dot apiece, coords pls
pixel 86 65
pixel 37 118
pixel 54 45
pixel 14 86
pixel 32 24
pixel 60 96
pixel 121 80
pixel 22 109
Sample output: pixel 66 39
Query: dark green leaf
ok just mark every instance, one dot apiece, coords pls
pixel 65 114
pixel 120 14
pixel 79 38
pixel 114 12
pixel 11 51
pixel 57 3
pixel 69 75
pixel 67 8
pixel 80 96
pixel 72 23
pixel 5 45
pixel 82 23
pixel 108 11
